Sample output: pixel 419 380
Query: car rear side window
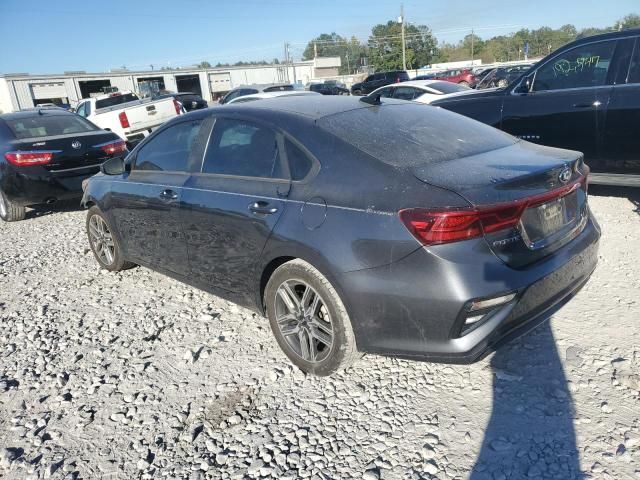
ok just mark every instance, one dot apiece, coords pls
pixel 409 134
pixel 242 148
pixel 299 162
pixel 49 125
pixel 279 88
pixel 171 149
pixel 580 67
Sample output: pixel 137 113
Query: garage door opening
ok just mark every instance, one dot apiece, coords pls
pixel 189 83
pixel 91 88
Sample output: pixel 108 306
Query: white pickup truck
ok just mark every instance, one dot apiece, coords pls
pixel 126 115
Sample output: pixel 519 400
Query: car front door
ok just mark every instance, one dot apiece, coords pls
pixel 565 102
pixel 620 152
pixel 146 205
pixel 234 203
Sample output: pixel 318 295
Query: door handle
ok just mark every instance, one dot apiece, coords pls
pixel 168 195
pixel 263 208
pixel 595 104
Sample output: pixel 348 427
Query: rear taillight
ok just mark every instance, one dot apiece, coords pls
pixel 124 121
pixel 112 148
pixel 26 159
pixel 178 106
pixel 432 227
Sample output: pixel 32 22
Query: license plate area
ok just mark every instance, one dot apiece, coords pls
pixel 548 222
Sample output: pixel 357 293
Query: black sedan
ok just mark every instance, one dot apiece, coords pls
pixel 45 154
pixel 391 228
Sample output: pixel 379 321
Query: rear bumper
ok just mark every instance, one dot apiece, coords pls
pixel 36 185
pixel 412 308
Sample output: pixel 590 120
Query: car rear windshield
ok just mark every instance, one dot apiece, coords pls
pixel 410 135
pixel 447 87
pixel 49 125
pixel 115 99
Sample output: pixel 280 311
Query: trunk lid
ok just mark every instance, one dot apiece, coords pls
pixel 547 184
pixel 75 154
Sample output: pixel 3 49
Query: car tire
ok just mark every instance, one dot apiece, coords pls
pixel 312 328
pixel 357 93
pixel 463 83
pixel 9 211
pixel 104 244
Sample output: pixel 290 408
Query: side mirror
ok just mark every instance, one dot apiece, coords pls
pixel 113 166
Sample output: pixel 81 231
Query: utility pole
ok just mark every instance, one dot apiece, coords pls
pixel 348 65
pixel 315 50
pixel 286 60
pixel 472 52
pixel 404 55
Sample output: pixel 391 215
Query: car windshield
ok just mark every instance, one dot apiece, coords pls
pixel 49 125
pixel 447 87
pixel 115 99
pixel 410 135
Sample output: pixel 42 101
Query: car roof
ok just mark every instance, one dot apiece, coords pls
pixel 311 107
pixel 276 94
pixel 262 86
pixel 34 112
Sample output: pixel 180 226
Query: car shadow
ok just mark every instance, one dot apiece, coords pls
pixel 630 193
pixel 530 433
pixel 58 207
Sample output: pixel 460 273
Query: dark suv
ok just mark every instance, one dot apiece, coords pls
pixel 378 80
pixel 584 96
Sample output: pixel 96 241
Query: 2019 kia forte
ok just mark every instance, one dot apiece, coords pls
pixel 391 228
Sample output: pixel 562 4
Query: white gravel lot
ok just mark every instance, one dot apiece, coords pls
pixel 134 375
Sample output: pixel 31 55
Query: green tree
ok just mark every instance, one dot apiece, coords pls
pixel 204 64
pixel 385 46
pixel 334 45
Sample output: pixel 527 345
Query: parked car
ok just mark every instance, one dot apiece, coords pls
pixel 501 77
pixel 423 91
pixel 262 96
pixel 584 96
pixel 378 80
pixel 426 76
pixel 190 101
pixel 45 154
pixel 126 115
pixel 253 89
pixel 452 238
pixel 463 77
pixel 329 88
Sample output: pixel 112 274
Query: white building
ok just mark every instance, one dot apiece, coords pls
pixel 21 90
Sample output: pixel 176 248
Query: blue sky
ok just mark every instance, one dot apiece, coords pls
pixel 50 36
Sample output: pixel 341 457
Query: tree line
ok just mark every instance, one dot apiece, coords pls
pixel 383 49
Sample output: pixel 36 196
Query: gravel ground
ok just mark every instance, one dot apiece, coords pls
pixel 134 375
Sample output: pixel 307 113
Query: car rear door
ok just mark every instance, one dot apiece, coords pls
pixel 234 203
pixel 566 103
pixel 146 204
pixel 620 152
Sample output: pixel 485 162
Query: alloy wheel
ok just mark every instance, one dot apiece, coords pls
pixel 304 321
pixel 101 240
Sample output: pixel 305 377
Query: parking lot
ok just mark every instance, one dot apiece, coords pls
pixel 134 375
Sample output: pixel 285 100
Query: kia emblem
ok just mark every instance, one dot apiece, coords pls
pixel 76 144
pixel 564 175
